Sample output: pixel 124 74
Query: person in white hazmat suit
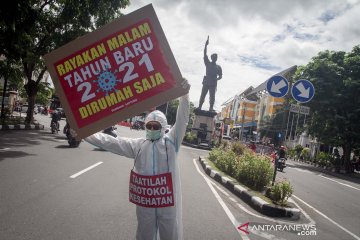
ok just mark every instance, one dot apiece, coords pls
pixel 154 155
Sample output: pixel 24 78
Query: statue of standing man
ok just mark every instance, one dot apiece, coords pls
pixel 213 74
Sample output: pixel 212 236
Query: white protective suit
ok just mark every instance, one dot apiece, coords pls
pixel 151 159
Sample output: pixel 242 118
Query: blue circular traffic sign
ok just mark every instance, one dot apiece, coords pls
pixel 303 91
pixel 277 86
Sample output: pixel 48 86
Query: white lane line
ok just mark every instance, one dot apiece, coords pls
pixel 195 149
pixel 223 205
pixel 312 222
pixel 4 149
pixel 329 219
pixel 256 215
pixel 85 170
pixel 300 170
pixel 347 185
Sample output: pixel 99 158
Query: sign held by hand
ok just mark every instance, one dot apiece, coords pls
pixel 120 70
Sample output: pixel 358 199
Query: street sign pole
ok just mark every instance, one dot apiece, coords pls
pixel 297 122
pixel 287 125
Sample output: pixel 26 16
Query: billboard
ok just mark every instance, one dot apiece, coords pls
pixel 120 70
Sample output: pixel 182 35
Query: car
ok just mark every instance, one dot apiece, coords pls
pixel 227 137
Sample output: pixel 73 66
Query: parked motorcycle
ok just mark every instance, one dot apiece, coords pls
pixel 71 136
pixel 54 127
pixel 281 164
pixel 110 131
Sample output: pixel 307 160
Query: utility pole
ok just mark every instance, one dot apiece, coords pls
pixel 242 121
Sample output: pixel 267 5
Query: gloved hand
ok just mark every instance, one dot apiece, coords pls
pixel 185 84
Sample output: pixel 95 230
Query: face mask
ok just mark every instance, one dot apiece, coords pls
pixel 153 134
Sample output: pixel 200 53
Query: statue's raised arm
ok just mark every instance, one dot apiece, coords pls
pixel 206 44
pixel 213 74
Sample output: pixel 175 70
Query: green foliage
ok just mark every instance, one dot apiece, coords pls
pixel 224 160
pixel 292 153
pixel 305 154
pixel 30 29
pixel 298 148
pixel 335 108
pixel 323 159
pixel 238 148
pixel 280 192
pixel 44 93
pixel 190 137
pixel 254 171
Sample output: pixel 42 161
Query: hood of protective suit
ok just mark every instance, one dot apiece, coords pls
pixel 157 116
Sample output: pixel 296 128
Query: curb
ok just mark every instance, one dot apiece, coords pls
pixel 244 194
pixel 22 127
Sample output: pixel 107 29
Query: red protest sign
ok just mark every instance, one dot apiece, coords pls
pixel 151 191
pixel 115 72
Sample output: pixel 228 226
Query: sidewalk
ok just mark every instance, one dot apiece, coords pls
pixel 355 177
pixel 35 126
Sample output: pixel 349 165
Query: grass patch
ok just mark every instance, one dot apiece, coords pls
pixel 256 193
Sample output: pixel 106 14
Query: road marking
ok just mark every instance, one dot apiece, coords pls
pixel 223 205
pixel 347 185
pixel 4 149
pixel 256 215
pixel 300 170
pixel 85 170
pixel 196 149
pixel 329 219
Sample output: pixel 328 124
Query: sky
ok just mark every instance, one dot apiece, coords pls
pixel 254 39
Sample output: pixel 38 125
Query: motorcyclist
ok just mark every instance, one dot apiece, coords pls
pixel 282 152
pixel 154 156
pixel 55 118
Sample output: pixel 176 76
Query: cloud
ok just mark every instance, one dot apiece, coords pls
pixel 254 39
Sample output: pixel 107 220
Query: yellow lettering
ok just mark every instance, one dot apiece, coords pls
pixel 79 60
pixel 144 29
pixel 159 78
pixel 120 96
pixel 73 62
pixel 94 107
pixel 94 53
pixel 89 109
pixel 122 40
pixel 102 103
pixel 83 112
pixel 128 38
pixel 127 91
pixel 112 43
pixel 145 84
pixel 86 56
pixel 60 69
pixel 135 33
pixel 101 49
pixel 111 99
pixel 138 87
pixel 153 83
pixel 68 67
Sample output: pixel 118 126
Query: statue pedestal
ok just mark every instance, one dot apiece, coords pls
pixel 203 126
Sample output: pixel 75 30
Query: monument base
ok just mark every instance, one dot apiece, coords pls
pixel 204 126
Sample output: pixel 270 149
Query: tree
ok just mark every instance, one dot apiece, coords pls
pixel 335 117
pixel 29 29
pixel 44 93
pixel 11 73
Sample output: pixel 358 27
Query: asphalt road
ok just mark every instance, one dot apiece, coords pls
pixel 50 191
